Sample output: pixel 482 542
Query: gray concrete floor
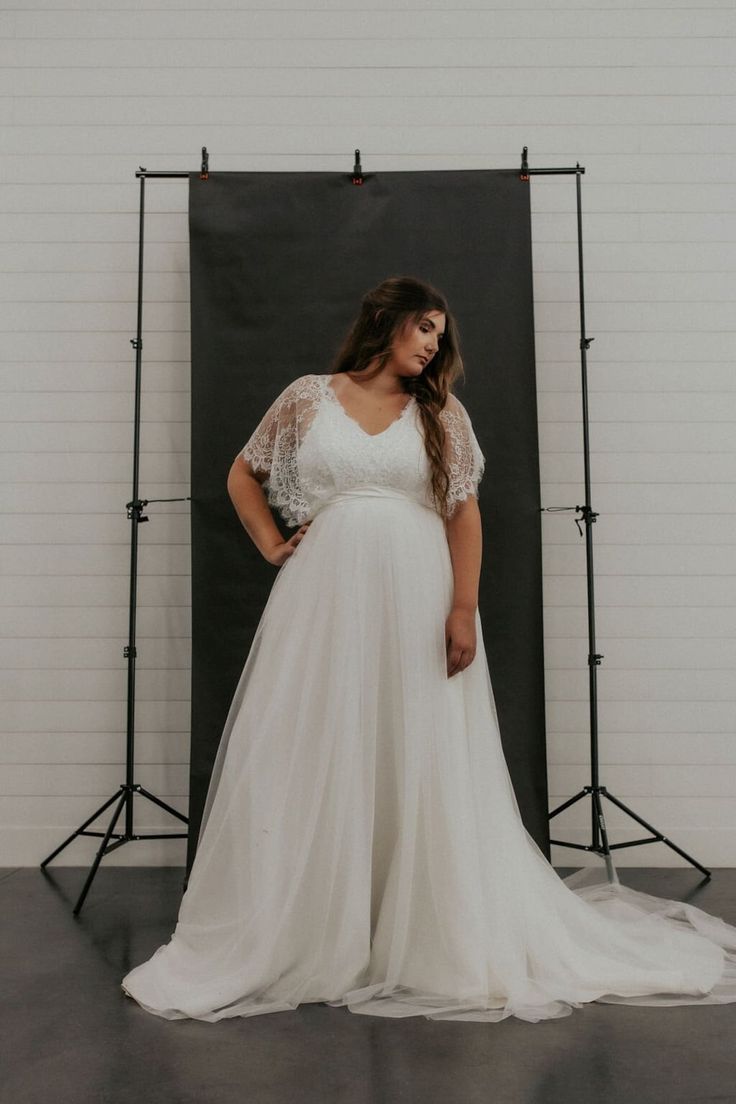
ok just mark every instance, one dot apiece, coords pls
pixel 70 1035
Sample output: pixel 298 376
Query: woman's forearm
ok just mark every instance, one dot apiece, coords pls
pixel 251 506
pixel 465 538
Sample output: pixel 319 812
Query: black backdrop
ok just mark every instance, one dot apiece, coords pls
pixel 279 262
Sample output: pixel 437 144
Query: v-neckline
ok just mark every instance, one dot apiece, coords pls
pixel 334 396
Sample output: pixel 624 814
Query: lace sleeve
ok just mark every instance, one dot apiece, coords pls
pixel 259 449
pixel 272 447
pixel 465 460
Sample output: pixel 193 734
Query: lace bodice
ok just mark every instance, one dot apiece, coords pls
pixel 310 448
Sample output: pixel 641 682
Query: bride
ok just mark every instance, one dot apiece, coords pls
pixel 361 843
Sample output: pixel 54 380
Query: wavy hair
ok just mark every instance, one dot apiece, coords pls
pixel 386 312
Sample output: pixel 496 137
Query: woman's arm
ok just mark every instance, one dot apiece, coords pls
pixel 465 539
pixel 251 506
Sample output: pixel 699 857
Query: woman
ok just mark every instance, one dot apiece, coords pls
pixel 361 843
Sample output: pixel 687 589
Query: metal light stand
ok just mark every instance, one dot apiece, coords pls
pixel 111 839
pixel 599 844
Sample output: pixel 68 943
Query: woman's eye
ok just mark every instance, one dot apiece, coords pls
pixel 425 329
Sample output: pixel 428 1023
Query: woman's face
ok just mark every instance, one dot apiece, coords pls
pixel 413 350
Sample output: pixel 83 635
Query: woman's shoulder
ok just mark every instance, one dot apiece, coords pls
pixel 303 387
pixel 302 381
pixel 309 382
pixel 453 405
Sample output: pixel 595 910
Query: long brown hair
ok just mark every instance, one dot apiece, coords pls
pixel 386 311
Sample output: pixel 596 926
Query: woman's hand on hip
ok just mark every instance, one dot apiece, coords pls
pixel 283 551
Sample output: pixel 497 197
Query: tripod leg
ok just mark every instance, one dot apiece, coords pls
pixel 659 835
pixel 125 796
pixel 598 813
pixel 566 804
pixel 157 800
pixel 79 830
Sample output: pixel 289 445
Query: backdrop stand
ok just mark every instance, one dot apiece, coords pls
pixel 111 839
pixel 599 843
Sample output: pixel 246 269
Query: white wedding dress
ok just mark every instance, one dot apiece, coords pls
pixel 361 842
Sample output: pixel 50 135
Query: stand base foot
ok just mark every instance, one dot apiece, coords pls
pixel 124 800
pixel 601 846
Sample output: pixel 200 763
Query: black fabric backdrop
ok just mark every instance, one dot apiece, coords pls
pixel 279 262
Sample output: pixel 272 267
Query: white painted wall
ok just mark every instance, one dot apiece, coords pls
pixel 641 96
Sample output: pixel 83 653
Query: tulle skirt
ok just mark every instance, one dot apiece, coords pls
pixel 361 843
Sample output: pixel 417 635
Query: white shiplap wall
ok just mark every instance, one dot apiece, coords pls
pixel 643 96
